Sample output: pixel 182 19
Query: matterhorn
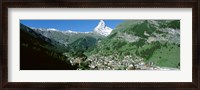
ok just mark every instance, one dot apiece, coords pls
pixel 102 29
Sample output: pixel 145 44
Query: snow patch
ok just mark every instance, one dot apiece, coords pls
pixel 51 29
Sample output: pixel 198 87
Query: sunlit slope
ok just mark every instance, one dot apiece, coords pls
pixel 155 42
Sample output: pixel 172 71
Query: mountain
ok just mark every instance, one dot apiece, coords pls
pixel 139 44
pixel 41 53
pixel 102 29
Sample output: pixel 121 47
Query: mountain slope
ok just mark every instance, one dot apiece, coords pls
pixel 39 53
pixel 139 44
pixel 83 44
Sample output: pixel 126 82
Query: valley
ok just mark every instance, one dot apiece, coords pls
pixel 132 45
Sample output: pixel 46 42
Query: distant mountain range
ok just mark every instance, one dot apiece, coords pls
pixel 101 29
pixel 67 37
pixel 133 44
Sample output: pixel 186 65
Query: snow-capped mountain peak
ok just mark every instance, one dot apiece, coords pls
pixel 102 29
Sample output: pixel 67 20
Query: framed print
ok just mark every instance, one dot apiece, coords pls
pixel 100 44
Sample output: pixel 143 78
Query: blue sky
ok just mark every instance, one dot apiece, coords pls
pixel 74 25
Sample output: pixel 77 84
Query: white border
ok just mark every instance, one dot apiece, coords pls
pixel 183 75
